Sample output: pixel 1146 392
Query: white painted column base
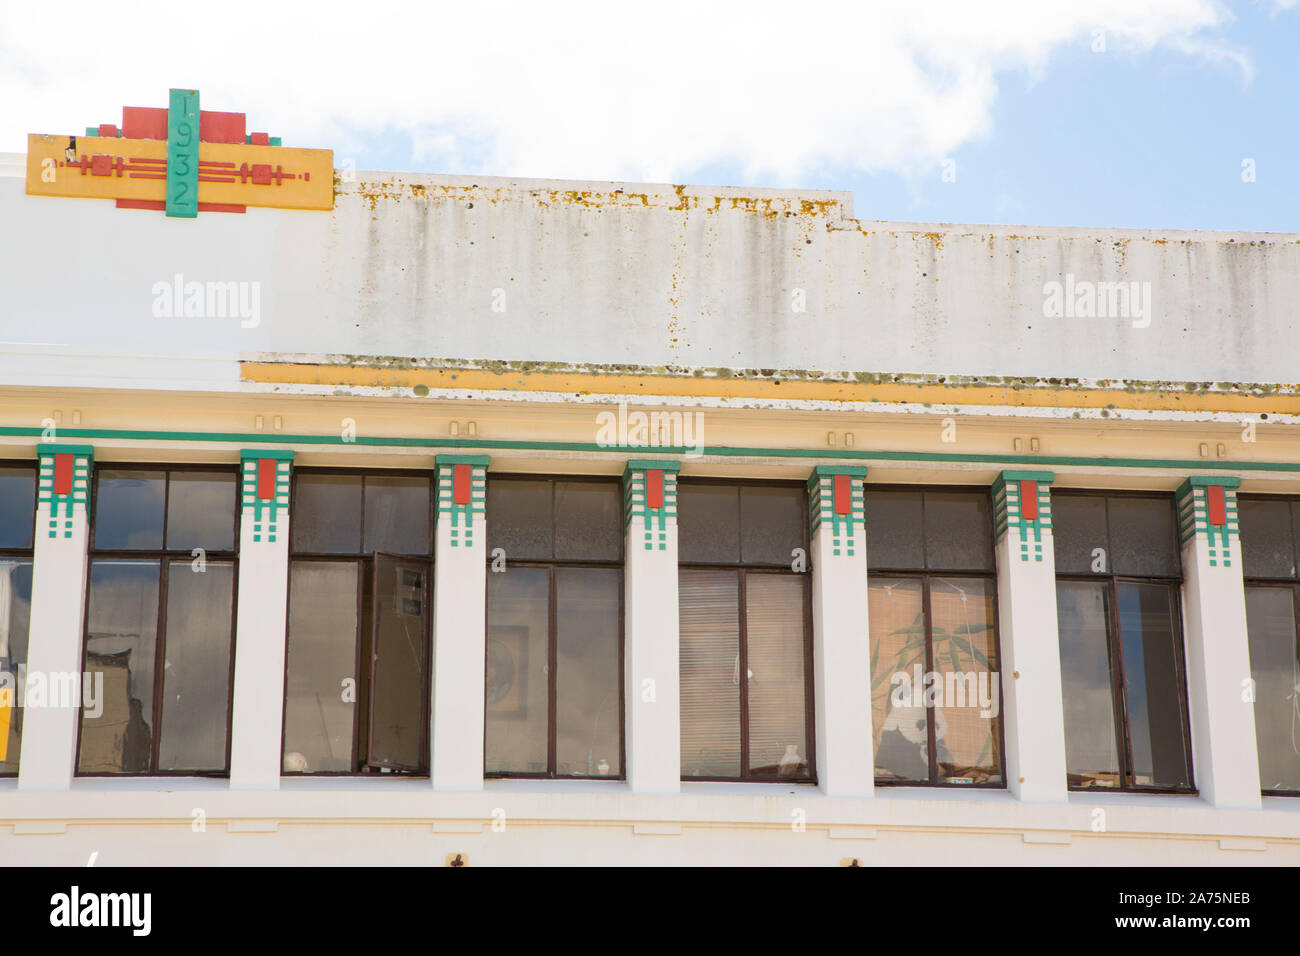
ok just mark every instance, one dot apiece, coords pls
pixel 1225 758
pixel 48 756
pixel 1033 719
pixel 841 639
pixel 257 711
pixel 459 624
pixel 652 679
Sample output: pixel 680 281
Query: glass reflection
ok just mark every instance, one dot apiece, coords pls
pixel 1091 748
pixel 121 644
pixel 1275 668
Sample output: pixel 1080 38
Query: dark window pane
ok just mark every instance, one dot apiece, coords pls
pixel 1151 676
pixel 121 640
pixel 318 719
pixel 17 507
pixel 201 511
pixel 326 517
pixel 1082 617
pixel 398 683
pixel 708 523
pixel 196 672
pixel 774 632
pixel 588 520
pixel 129 509
pixel 1079 530
pixel 517 692
pixel 709 662
pixel 894 529
pixel 1275 668
pixel 958 531
pixel 15 617
pixel 899 718
pixel 397 514
pixel 772 522
pixel 1295 529
pixel 519 518
pixel 587 680
pixel 1143 536
pixel 1267 544
pixel 967 727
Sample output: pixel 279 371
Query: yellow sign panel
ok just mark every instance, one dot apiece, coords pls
pixel 135 170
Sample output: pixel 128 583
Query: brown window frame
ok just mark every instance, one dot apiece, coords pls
pixel 990 577
pixel 744 570
pixel 552 645
pixel 1115 646
pixel 23 554
pixel 365 563
pixel 1293 583
pixel 164 556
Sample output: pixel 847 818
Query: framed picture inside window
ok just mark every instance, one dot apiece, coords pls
pixel 507 672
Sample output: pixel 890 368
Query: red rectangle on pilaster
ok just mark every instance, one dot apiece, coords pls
pixel 654 488
pixel 843 491
pixel 460 479
pixel 63 474
pixel 1029 501
pixel 1217 505
pixel 266 478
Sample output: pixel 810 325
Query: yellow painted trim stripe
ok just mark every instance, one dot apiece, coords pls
pixel 598 383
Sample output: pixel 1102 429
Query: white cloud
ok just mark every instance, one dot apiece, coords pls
pixel 581 90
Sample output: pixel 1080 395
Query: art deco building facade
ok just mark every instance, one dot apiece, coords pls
pixel 511 521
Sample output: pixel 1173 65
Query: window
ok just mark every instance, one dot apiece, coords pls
pixel 743 611
pixel 17 524
pixel 1270 542
pixel 1121 636
pixel 936 696
pixel 159 622
pixel 356 696
pixel 554 655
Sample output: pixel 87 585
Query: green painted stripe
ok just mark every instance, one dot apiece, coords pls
pixel 1174 464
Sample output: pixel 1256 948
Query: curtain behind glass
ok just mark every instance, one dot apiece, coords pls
pixel 710 673
pixel 774 642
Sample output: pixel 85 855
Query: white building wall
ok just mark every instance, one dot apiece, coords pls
pixel 690 277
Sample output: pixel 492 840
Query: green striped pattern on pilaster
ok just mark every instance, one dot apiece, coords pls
pixel 266 511
pixel 1009 510
pixel 462 516
pixel 1194 516
pixel 654 521
pixel 848 531
pixel 63 507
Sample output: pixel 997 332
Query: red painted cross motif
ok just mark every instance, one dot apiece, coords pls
pixel 1029 501
pixel 1218 510
pixel 266 478
pixel 843 493
pixel 460 477
pixel 63 474
pixel 654 488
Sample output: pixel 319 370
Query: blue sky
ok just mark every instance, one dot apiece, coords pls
pixel 870 96
pixel 1118 138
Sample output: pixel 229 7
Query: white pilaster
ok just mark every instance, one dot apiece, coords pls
pixel 1225 758
pixel 841 645
pixel 652 677
pixel 1033 718
pixel 48 755
pixel 257 713
pixel 459 624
